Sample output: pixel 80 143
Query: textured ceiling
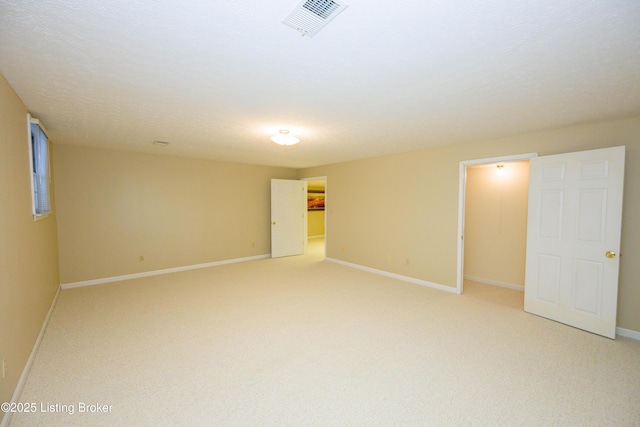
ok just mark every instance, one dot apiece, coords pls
pixel 216 79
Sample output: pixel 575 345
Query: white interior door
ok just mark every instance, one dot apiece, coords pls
pixel 288 217
pixel 573 238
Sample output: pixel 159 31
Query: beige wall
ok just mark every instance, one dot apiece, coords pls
pixel 114 207
pixel 404 208
pixel 28 249
pixel 495 233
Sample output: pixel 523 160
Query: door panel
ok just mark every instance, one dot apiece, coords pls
pixel 548 278
pixel 590 276
pixel 551 214
pixel 288 217
pixel 575 216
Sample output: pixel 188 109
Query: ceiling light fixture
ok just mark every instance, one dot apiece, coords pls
pixel 500 170
pixel 283 138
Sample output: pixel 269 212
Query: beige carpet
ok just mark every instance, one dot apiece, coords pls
pixel 303 342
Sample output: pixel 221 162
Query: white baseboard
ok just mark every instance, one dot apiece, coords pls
pixel 158 272
pixel 396 276
pixel 494 283
pixel 27 367
pixel 629 333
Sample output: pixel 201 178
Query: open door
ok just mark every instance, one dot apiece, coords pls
pixel 573 238
pixel 288 217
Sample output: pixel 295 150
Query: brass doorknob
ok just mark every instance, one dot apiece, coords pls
pixel 610 254
pixel 274 223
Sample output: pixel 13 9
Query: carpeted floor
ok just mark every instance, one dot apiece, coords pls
pixel 303 342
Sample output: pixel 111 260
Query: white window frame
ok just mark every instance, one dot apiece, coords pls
pixel 40 172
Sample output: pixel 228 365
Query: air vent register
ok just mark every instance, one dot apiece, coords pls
pixel 310 16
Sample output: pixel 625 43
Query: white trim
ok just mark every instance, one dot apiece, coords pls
pixel 33 121
pixel 462 189
pixel 41 216
pixel 629 333
pixel 395 276
pixel 27 367
pixel 158 272
pixel 501 159
pixel 33 203
pixel 494 283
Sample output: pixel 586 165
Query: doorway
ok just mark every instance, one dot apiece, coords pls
pixel 573 236
pixel 316 230
pixel 491 241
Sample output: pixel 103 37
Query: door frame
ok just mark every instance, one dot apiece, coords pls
pixel 326 196
pixel 462 191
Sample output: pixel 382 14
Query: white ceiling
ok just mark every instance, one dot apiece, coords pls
pixel 216 78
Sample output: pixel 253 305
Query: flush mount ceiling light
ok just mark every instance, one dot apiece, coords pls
pixel 283 138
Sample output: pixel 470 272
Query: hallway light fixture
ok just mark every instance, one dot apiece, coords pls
pixel 500 170
pixel 283 138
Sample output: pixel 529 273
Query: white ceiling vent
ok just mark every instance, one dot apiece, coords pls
pixel 310 16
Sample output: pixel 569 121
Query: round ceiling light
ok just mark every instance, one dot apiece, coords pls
pixel 283 138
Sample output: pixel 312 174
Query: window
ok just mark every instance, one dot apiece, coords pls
pixel 40 171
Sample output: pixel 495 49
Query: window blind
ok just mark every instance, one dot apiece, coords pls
pixel 40 169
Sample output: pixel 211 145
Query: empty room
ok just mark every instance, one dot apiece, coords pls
pixel 319 213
